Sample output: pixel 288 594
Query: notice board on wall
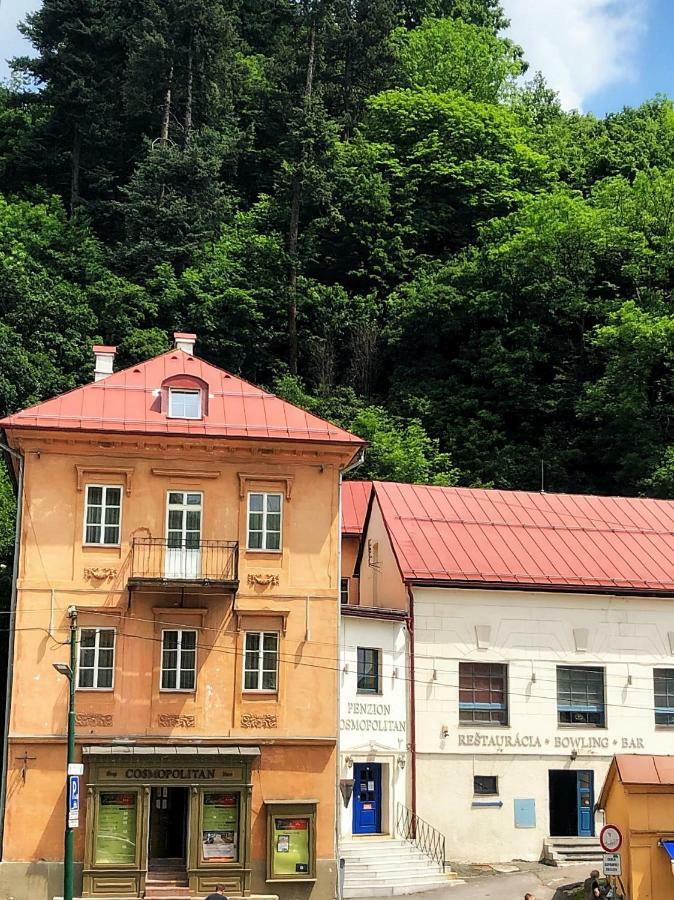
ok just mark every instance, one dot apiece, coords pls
pixel 116 828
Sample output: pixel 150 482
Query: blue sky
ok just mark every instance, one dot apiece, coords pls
pixel 599 54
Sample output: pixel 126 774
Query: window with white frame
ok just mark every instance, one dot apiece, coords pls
pixel 260 664
pixel 264 520
pixel 580 696
pixel 102 514
pixel 184 403
pixel 663 685
pixel 178 660
pixel 368 676
pixel 96 659
pixel 344 590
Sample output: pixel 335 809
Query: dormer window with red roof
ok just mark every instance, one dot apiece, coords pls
pixel 184 403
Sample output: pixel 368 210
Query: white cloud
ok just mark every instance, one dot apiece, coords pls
pixel 581 46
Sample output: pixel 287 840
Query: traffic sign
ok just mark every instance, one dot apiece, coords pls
pixel 73 801
pixel 610 839
pixel 612 864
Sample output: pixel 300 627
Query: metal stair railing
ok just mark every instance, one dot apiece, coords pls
pixel 423 836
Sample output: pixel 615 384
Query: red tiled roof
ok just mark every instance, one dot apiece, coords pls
pixel 643 769
pixel 355 499
pixel 521 539
pixel 130 401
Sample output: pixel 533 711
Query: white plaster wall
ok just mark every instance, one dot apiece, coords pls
pixel 533 633
pixel 374 727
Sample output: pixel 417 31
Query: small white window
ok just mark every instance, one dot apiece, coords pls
pixel 96 659
pixel 264 521
pixel 261 661
pixel 178 660
pixel 184 404
pixel 102 514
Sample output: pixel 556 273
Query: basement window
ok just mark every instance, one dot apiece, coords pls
pixel 485 785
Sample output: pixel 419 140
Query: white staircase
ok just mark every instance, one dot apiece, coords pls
pixel 569 851
pixel 389 868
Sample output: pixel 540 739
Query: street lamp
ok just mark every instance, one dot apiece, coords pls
pixel 69 835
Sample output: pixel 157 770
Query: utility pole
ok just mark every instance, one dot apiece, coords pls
pixel 69 672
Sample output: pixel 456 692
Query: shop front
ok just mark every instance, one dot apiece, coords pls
pixel 181 814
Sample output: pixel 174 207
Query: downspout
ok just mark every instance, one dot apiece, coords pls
pixel 357 461
pixel 412 690
pixel 10 643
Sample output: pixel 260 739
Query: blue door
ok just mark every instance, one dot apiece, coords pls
pixel 366 798
pixel 585 802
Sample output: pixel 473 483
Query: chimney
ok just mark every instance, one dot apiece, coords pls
pixel 184 341
pixel 105 356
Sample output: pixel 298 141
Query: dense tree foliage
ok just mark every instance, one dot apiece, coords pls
pixel 358 203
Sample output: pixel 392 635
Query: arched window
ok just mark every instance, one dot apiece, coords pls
pixel 184 397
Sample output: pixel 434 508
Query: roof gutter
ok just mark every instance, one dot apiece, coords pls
pixel 356 461
pixel 12 632
pixel 548 588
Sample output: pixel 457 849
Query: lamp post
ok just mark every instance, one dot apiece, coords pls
pixel 69 673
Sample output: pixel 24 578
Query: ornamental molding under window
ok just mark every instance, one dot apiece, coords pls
pixel 252 720
pixel 267 479
pixel 108 471
pixel 98 720
pixel 100 573
pixel 169 720
pixel 268 580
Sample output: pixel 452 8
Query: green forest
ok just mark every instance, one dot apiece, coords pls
pixel 371 207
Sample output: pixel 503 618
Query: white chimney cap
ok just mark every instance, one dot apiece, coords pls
pixel 184 341
pixel 105 357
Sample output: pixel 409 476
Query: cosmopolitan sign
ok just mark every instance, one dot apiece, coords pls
pixel 371 717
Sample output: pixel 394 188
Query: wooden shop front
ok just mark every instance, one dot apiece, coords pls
pixel 181 815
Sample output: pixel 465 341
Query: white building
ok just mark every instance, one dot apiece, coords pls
pixel 543 644
pixel 373 719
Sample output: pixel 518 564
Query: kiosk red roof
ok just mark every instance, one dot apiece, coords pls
pixel 130 401
pixel 519 539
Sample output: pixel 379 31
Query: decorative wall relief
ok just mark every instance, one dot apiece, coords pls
pixel 259 721
pixel 263 580
pixel 98 720
pixel 100 573
pixel 169 720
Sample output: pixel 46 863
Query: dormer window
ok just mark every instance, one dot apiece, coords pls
pixel 184 403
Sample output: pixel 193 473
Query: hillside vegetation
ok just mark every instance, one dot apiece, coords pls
pixel 361 204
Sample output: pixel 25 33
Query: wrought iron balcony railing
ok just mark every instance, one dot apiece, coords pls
pixel 167 561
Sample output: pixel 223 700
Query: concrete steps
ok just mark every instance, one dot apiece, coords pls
pixel 569 851
pixel 389 868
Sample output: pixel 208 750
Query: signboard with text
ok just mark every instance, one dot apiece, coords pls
pixel 612 864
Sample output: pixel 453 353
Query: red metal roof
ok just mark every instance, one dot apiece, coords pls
pixel 355 499
pixel 521 539
pixel 131 401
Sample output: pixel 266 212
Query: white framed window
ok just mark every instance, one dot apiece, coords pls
pixel 103 514
pixel 264 520
pixel 178 659
pixel 96 659
pixel 344 591
pixel 260 661
pixel 184 403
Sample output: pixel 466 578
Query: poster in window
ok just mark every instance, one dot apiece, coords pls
pixel 220 827
pixel 290 846
pixel 116 829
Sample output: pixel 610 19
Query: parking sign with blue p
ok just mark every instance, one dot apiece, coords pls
pixel 73 801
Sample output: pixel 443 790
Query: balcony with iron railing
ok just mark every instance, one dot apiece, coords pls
pixel 170 562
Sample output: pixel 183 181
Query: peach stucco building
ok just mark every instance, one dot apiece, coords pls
pixel 190 521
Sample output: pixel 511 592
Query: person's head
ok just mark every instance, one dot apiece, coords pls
pixel 529 897
pixel 594 874
pixel 220 889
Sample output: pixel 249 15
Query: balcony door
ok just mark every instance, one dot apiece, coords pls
pixel 183 535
